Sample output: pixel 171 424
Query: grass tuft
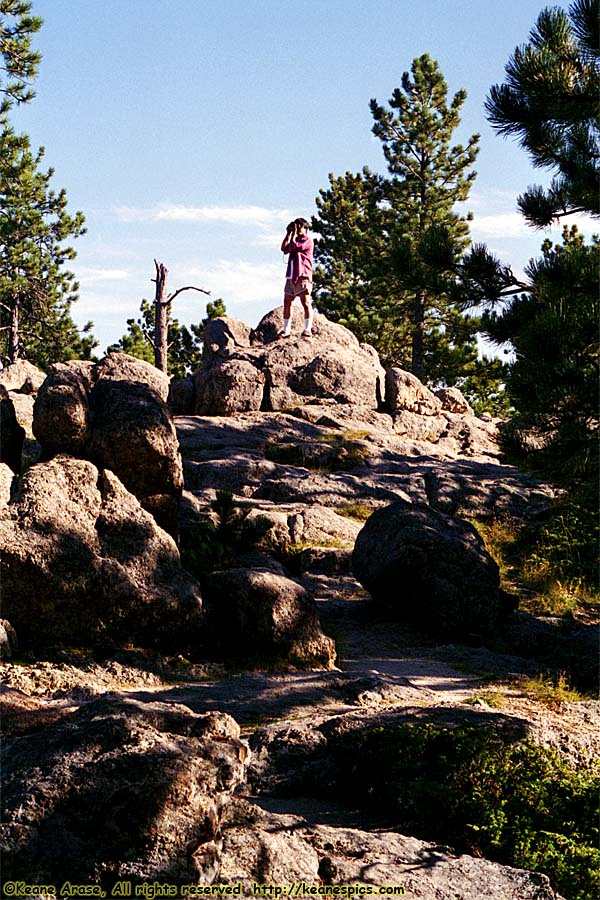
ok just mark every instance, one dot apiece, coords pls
pixel 552 565
pixel 357 511
pixel 551 690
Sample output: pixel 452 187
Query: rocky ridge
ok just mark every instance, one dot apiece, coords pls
pixel 231 807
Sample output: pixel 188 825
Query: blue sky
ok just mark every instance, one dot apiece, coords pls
pixel 193 130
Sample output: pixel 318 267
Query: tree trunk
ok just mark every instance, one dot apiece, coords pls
pixel 418 334
pixel 13 334
pixel 161 323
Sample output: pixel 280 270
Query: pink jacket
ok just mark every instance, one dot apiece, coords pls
pixel 300 263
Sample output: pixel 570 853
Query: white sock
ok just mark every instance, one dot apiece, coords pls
pixel 287 326
pixel 307 324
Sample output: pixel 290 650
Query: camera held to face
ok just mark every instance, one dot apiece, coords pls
pixel 291 227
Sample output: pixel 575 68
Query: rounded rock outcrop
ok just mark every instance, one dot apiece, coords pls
pixel 119 789
pixel 258 613
pixel 114 413
pixel 82 564
pixel 430 569
pixel 61 421
pixel 21 377
pixel 247 371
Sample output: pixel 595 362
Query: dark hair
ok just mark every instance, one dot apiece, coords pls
pixel 302 223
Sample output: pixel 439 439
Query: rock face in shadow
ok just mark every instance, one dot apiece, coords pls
pixel 83 563
pixel 114 413
pixel 119 790
pixel 259 614
pixel 61 413
pixel 12 435
pixel 431 569
pixel 247 371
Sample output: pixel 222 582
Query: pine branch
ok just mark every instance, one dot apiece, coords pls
pixel 23 333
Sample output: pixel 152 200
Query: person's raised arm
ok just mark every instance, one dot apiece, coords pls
pixel 290 234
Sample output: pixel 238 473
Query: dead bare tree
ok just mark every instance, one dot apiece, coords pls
pixel 162 303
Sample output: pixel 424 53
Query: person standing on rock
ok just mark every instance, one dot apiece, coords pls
pixel 299 275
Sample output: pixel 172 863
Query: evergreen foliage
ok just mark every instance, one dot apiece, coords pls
pixel 565 544
pixel 483 385
pixel 352 284
pixel 185 345
pixel 19 61
pixel 557 560
pixel 550 101
pixel 552 563
pixel 471 787
pixel 390 247
pixel 36 292
pixel 553 381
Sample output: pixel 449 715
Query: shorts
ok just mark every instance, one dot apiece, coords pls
pixel 295 288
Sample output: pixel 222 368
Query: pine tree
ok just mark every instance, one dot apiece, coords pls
pixel 215 309
pixel 36 291
pixel 551 103
pixel 391 246
pixel 553 328
pixel 137 341
pixel 429 177
pixel 59 339
pixel 20 61
pixel 352 285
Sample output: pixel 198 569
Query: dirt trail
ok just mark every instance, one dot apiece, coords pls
pixel 384 667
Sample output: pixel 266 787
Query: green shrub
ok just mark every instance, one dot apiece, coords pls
pixel 515 803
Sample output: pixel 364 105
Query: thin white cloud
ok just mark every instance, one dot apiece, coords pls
pixel 87 275
pixel 129 214
pixel 513 225
pixel 502 225
pixel 241 282
pixel 259 216
pixel 106 307
pixel 270 237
